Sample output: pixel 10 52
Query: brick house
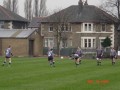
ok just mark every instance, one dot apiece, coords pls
pixel 86 26
pixel 23 42
pixel 10 20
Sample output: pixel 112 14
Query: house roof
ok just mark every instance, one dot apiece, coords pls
pixel 6 15
pixel 35 23
pixel 88 13
pixel 15 33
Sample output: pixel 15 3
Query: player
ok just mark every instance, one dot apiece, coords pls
pixel 8 55
pixel 99 54
pixel 80 53
pixel 77 56
pixel 113 55
pixel 51 57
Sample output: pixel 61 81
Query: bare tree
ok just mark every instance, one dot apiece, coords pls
pixel 112 7
pixel 28 9
pixel 7 4
pixel 36 8
pixel 15 6
pixel 39 8
pixel 11 5
pixel 60 22
pixel 42 10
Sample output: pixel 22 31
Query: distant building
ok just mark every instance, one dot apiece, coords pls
pixel 23 42
pixel 10 20
pixel 14 32
pixel 86 26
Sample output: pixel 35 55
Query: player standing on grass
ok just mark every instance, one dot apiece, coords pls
pixel 99 54
pixel 77 56
pixel 51 57
pixel 8 55
pixel 113 55
pixel 80 53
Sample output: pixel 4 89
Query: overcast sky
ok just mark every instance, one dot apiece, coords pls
pixel 53 4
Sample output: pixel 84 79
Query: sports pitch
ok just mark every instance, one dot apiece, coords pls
pixel 36 74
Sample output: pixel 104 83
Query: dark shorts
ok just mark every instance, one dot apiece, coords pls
pixel 76 57
pixel 50 58
pixel 113 57
pixel 7 57
pixel 99 56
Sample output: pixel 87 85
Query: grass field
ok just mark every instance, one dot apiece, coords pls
pixel 36 74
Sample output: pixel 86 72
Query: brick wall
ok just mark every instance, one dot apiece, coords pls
pixel 76 37
pixel 19 46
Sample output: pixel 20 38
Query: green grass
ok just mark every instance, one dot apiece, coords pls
pixel 36 74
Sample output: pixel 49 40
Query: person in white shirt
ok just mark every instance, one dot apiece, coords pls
pixel 8 54
pixel 51 57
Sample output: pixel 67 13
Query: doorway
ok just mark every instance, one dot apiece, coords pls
pixel 31 47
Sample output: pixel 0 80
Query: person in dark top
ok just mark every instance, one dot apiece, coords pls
pixel 113 55
pixel 51 57
pixel 77 56
pixel 99 54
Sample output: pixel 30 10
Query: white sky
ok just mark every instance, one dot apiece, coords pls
pixel 54 4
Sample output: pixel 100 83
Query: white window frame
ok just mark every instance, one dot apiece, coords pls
pixel 49 42
pixel 86 29
pixel 92 43
pixel 50 26
pixel 102 27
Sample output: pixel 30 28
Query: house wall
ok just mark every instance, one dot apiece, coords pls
pixel 20 25
pixel 15 25
pixel 97 33
pixel 117 37
pixel 77 33
pixel 46 33
pixel 7 25
pixel 38 44
pixel 19 46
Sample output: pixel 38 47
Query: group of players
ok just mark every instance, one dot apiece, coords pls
pixel 78 55
pixel 100 52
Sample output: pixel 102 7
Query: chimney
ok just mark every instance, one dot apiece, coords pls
pixel 86 2
pixel 80 6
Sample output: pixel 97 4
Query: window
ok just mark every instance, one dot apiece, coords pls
pixel 103 27
pixel 49 42
pixel 85 42
pixel 66 43
pixel 62 27
pixel 88 42
pixel 66 27
pixel 63 44
pixel 51 28
pixel 1 24
pixel 101 40
pixel 87 27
